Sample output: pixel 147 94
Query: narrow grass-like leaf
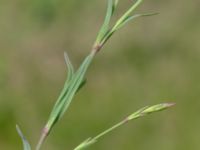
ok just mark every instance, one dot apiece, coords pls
pixel 121 21
pixel 26 144
pixel 77 81
pixel 66 85
pixel 105 27
pixel 130 18
pixel 128 13
pixel 70 67
pixel 82 84
pixel 74 84
pixel 115 5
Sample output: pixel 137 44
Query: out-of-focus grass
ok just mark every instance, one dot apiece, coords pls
pixel 159 55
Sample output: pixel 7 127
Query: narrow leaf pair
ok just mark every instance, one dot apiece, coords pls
pixel 73 83
pixel 26 145
pixel 106 31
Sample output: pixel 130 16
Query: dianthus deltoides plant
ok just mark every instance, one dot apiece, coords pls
pixel 76 80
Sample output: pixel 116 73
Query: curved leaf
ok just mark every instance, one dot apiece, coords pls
pixel 26 144
pixel 129 18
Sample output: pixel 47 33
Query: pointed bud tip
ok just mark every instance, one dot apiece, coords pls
pixel 170 104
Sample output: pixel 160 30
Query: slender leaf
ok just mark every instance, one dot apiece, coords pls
pixel 82 85
pixel 69 67
pixel 130 18
pixel 128 13
pixel 26 144
pixel 75 83
pixel 105 27
pixel 66 85
pixel 115 5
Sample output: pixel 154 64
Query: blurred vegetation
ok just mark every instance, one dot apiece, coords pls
pixel 152 60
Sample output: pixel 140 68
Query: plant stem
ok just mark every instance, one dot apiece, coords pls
pixel 110 129
pixel 43 136
pixel 138 114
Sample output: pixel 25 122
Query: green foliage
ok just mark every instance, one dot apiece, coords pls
pixel 26 144
pixel 73 83
pixel 76 79
pixel 106 32
pixel 105 27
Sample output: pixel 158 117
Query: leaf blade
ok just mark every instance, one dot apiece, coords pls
pixel 26 144
pixel 130 18
pixel 70 67
pixel 74 84
pixel 105 27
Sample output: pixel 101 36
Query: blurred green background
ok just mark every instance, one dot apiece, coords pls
pixel 152 60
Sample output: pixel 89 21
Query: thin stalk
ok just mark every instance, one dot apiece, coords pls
pixel 43 136
pixel 138 114
pixel 110 129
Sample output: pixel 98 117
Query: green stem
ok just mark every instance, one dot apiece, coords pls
pixel 140 113
pixel 43 136
pixel 110 129
pixel 91 141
